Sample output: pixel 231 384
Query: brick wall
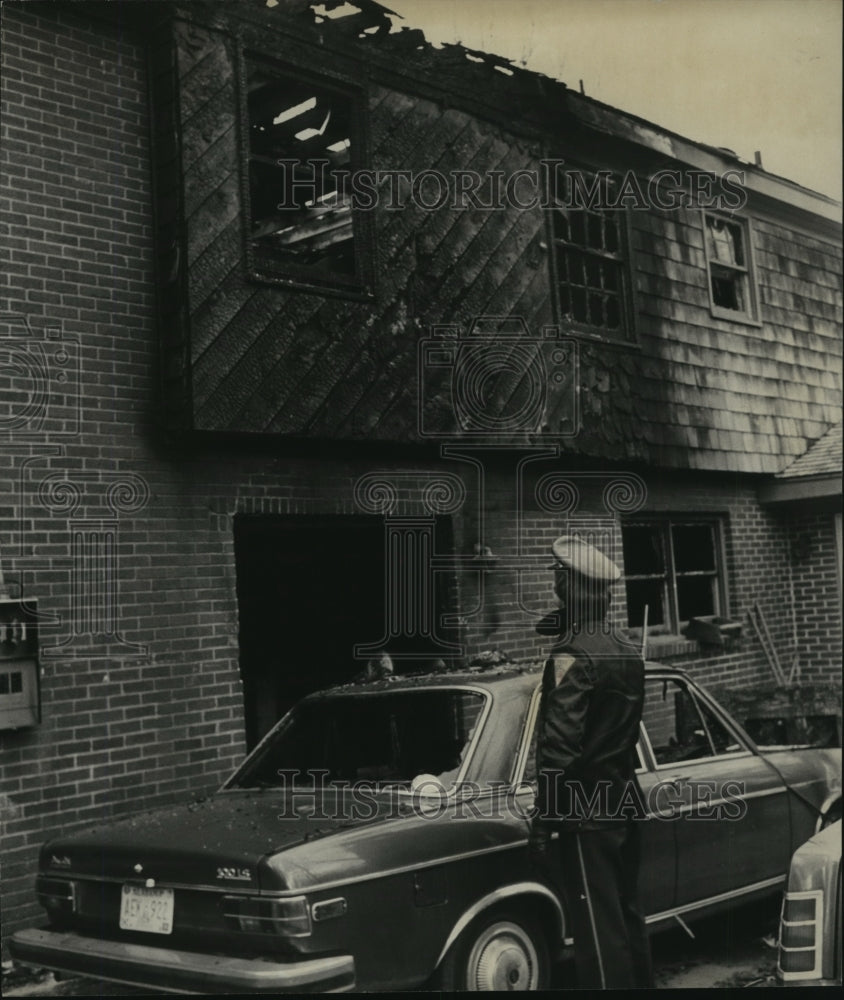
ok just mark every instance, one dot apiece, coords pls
pixel 817 592
pixel 756 546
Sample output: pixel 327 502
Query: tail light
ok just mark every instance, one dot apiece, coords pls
pixel 254 915
pixel 56 895
pixel 801 935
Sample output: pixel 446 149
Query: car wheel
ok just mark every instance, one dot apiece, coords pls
pixel 504 949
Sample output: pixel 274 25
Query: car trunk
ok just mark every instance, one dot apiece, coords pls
pixel 205 853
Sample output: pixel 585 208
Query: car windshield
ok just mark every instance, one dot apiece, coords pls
pixel 381 738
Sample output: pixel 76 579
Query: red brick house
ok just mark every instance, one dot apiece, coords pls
pixel 249 406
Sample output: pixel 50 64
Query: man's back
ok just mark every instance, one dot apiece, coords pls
pixel 593 691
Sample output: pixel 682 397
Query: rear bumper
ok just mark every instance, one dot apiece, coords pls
pixel 178 971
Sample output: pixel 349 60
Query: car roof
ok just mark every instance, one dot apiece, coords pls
pixel 485 677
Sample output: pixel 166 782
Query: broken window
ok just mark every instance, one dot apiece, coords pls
pixel 591 270
pixel 680 727
pixel 672 567
pixel 730 279
pixel 386 738
pixel 303 140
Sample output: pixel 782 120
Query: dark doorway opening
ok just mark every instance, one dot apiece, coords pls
pixel 309 589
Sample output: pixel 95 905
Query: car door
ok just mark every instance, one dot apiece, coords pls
pixel 658 868
pixel 728 808
pixel 657 871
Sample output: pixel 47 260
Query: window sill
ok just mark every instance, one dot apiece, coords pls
pixel 665 647
pixel 569 328
pixel 735 315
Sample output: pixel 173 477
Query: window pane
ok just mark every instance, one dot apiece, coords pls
pixel 611 240
pixel 594 231
pixel 641 593
pixel 722 739
pixel 578 299
pixel 642 544
pixel 593 272
pixel 725 242
pixel 576 267
pixel 729 289
pixel 613 314
pixel 300 212
pixel 674 726
pixel 389 738
pixel 694 547
pixel 577 221
pixel 695 596
pixel 586 238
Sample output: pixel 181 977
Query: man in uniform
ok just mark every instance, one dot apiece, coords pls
pixel 593 690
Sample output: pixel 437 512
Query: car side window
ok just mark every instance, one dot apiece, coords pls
pixel 721 738
pixel 674 729
pixel 679 727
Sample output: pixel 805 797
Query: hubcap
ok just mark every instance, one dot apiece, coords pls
pixel 503 958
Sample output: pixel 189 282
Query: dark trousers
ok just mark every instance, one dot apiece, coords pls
pixel 600 869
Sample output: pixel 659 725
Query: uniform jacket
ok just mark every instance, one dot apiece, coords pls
pixel 592 695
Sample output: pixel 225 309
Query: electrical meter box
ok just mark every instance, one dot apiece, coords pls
pixel 20 689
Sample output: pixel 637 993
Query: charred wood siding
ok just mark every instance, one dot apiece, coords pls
pixel 692 390
pixel 264 359
pixel 735 395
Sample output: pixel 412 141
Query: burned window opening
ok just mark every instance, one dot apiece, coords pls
pixel 303 143
pixel 590 253
pixel 673 568
pixel 731 288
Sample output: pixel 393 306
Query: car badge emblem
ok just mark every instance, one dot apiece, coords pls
pixel 138 869
pixel 61 862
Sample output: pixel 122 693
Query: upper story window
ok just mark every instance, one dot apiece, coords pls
pixel 591 259
pixel 672 566
pixel 304 142
pixel 732 288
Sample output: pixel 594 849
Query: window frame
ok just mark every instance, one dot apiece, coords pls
pixel 627 334
pixel 699 699
pixel 260 266
pixel 665 523
pixel 749 316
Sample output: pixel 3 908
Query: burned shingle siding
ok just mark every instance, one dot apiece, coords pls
pixel 690 390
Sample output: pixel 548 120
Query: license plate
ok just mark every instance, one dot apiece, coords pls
pixel 149 910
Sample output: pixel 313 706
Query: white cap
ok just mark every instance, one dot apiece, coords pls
pixel 581 557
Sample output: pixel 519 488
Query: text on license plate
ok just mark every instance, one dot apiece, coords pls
pixel 143 909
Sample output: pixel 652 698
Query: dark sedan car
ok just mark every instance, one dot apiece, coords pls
pixel 376 839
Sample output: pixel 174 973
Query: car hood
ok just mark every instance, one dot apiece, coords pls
pixel 219 841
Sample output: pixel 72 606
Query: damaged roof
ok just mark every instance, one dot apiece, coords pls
pixel 526 97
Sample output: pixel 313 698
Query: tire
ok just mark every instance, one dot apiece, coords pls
pixel 504 949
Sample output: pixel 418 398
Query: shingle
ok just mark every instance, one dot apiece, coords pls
pixel 822 458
